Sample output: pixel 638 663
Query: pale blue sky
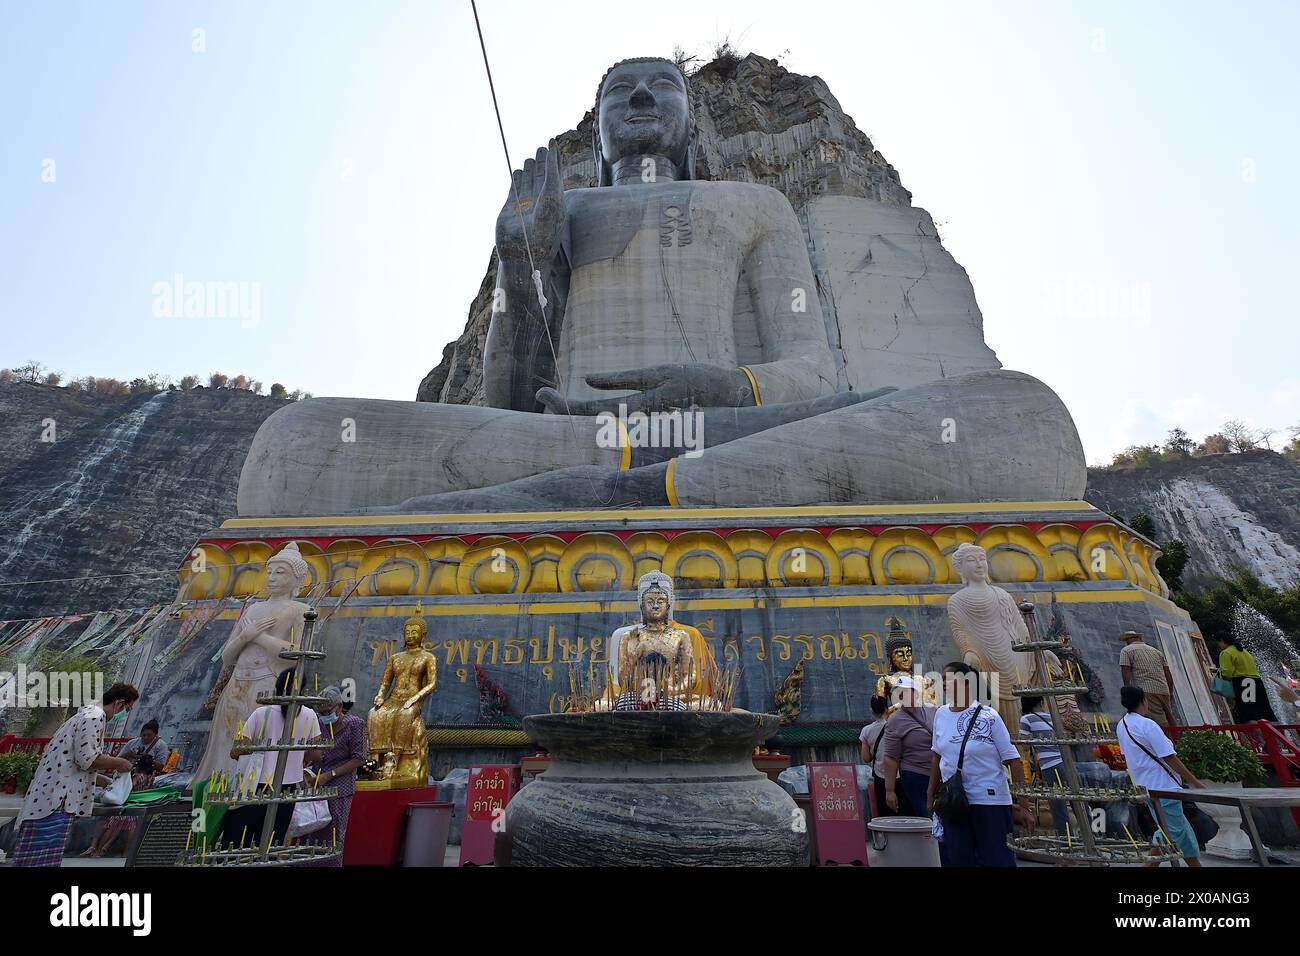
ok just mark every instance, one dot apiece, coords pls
pixel 1117 178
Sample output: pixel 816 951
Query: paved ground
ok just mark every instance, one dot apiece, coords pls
pixel 10 805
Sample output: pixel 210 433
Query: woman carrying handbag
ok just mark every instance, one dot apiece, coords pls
pixel 968 776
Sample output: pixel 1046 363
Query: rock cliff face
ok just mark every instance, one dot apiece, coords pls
pixel 126 486
pixel 899 309
pixel 1229 510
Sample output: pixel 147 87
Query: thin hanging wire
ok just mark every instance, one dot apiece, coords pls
pixel 523 225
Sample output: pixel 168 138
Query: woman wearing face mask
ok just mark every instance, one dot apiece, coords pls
pixel 64 785
pixel 338 766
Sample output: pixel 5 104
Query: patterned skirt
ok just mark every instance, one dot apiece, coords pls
pixel 40 842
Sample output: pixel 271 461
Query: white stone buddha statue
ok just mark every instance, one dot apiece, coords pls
pixel 985 624
pixel 253 651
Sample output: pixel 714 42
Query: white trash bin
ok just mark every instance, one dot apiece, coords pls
pixel 902 841
pixel 427 824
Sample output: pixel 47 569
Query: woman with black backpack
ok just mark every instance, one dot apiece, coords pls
pixel 969 790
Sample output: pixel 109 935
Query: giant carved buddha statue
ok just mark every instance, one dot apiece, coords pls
pixel 659 292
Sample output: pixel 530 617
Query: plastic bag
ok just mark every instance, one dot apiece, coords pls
pixel 308 817
pixel 115 793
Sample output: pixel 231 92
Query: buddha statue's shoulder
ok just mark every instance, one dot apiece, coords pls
pixel 698 643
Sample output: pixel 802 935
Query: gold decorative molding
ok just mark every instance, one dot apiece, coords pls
pixel 1071 542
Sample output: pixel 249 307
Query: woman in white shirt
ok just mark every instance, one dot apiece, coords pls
pixel 257 771
pixel 981 838
pixel 1153 763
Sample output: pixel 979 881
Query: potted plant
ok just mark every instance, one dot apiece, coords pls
pixel 1213 756
pixel 17 767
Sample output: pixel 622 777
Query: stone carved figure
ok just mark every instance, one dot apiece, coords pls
pixel 252 652
pixel 898 652
pixel 675 657
pixel 661 293
pixel 395 732
pixel 985 624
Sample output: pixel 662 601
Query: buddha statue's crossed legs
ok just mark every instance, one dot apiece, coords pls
pixel 986 436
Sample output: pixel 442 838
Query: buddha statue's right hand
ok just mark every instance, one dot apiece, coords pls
pixel 533 215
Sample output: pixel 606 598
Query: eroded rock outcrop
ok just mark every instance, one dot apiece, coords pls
pixel 1230 511
pixel 127 486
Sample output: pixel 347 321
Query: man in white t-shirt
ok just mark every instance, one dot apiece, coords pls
pixel 1153 763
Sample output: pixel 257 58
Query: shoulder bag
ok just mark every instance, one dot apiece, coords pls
pixel 950 800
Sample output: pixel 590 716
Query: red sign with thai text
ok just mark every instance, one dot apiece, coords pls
pixel 839 832
pixel 489 791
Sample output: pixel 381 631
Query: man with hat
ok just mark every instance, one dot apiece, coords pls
pixel 1142 665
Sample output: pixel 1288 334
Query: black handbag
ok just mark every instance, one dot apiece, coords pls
pixel 950 800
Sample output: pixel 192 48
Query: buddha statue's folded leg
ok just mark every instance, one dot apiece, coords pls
pixel 339 455
pixel 992 435
pixel 986 436
pixel 722 425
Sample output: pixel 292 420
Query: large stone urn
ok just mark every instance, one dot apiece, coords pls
pixel 652 788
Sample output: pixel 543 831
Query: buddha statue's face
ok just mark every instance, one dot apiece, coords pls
pixel 974 567
pixel 413 635
pixel 280 579
pixel 654 607
pixel 644 109
pixel 902 659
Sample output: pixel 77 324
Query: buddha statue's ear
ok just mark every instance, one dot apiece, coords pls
pixel 692 138
pixel 604 177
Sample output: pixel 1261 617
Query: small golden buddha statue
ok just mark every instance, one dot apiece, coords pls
pixel 898 652
pixel 399 752
pixel 659 663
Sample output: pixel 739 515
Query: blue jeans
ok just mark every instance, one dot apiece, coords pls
pixel 980 839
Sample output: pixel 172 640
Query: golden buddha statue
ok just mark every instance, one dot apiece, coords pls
pixel 399 752
pixel 898 653
pixel 659 663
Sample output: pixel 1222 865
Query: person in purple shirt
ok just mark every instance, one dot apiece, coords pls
pixel 338 766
